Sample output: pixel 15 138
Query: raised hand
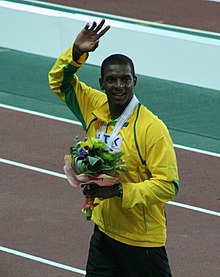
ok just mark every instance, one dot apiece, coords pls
pixel 88 39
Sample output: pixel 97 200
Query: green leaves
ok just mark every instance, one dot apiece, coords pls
pixel 92 156
pixel 95 161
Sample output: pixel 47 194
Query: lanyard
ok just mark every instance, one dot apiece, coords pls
pixel 120 123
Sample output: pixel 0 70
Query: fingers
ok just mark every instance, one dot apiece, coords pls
pixel 94 24
pixel 104 31
pixel 96 28
pixel 99 27
pixel 87 26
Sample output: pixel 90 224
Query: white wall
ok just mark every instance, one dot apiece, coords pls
pixel 170 55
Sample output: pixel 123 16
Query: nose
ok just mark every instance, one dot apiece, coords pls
pixel 119 83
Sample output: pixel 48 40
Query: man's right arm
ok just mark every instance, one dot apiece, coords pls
pixel 61 75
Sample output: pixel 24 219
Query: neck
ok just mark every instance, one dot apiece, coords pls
pixel 117 110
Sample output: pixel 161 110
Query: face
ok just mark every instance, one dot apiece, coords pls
pixel 118 83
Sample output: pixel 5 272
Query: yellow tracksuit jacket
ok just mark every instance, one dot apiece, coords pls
pixel 138 218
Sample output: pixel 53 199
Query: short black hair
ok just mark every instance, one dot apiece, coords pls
pixel 117 59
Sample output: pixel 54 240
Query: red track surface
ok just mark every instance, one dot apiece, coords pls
pixel 198 14
pixel 42 216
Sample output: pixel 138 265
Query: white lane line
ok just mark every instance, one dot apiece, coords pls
pixel 197 209
pixel 218 1
pixel 40 114
pixel 34 168
pixel 41 170
pixel 197 150
pixel 41 260
pixel 78 123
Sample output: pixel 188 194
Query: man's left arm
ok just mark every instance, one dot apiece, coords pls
pixel 163 184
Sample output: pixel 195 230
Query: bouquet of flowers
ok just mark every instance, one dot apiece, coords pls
pixel 92 161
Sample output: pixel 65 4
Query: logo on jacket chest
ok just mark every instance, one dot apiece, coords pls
pixel 116 144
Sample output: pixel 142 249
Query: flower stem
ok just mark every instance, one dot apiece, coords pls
pixel 88 214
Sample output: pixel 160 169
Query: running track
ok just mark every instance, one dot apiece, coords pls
pixel 41 212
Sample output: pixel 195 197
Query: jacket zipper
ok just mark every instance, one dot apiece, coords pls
pixel 143 209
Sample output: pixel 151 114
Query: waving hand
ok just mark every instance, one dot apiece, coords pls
pixel 88 39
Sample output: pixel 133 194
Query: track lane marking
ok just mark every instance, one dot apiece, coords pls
pixel 56 174
pixel 218 1
pixel 33 168
pixel 40 114
pixel 78 123
pixel 41 260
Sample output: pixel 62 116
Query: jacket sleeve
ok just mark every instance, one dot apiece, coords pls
pixel 163 184
pixel 62 73
pixel 79 97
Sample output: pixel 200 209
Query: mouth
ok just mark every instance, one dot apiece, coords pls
pixel 119 97
pixel 118 94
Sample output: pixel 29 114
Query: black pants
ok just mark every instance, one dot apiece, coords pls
pixel 110 258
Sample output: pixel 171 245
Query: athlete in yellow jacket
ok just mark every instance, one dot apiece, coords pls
pixel 130 226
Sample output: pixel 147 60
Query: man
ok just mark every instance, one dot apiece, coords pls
pixel 130 223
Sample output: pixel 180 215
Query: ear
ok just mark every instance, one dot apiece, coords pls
pixel 135 80
pixel 101 83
